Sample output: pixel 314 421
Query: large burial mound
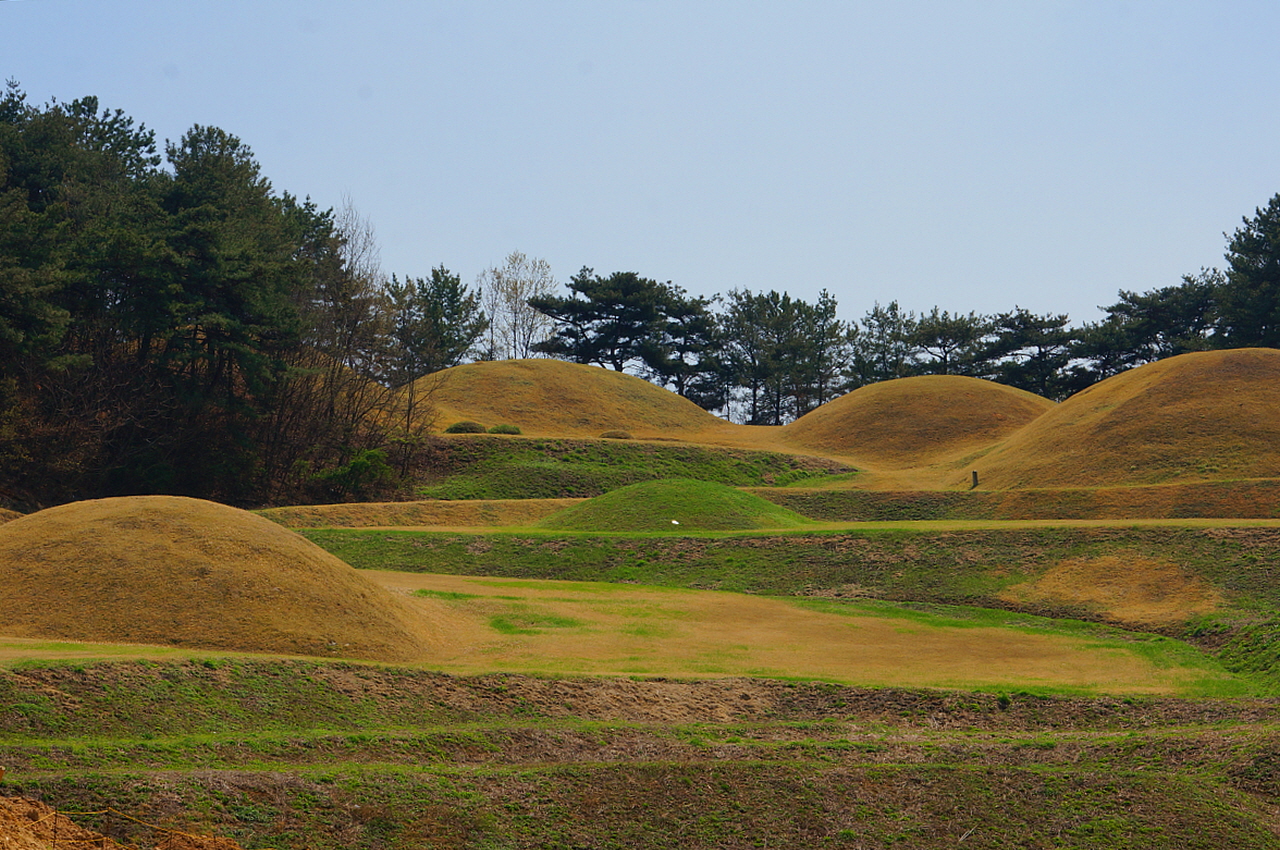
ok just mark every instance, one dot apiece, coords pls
pixel 674 504
pixel 1203 416
pixel 913 422
pixel 558 399
pixel 171 570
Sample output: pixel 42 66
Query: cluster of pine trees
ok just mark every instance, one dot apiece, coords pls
pixel 169 323
pixel 769 357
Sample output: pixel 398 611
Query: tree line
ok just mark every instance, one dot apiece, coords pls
pixel 171 323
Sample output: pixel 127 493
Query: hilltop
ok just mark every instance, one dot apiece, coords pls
pixel 917 421
pixel 1211 415
pixel 553 398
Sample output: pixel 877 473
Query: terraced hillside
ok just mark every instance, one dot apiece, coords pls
pixel 975 668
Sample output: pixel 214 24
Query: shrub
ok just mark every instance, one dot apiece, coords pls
pixel 466 426
pixel 616 435
pixel 505 429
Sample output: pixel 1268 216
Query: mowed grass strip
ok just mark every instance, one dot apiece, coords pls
pixel 598 628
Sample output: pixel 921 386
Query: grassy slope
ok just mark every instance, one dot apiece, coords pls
pixel 1225 499
pixel 324 756
pixel 916 421
pixel 487 467
pixel 978 567
pixel 1203 416
pixel 674 502
pixel 294 754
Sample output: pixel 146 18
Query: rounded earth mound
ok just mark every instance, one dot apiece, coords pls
pixel 553 398
pixel 1202 416
pixel 912 422
pixel 178 571
pixel 674 504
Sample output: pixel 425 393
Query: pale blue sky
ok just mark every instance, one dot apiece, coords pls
pixel 972 155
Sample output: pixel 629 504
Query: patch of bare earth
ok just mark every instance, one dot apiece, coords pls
pixel 32 825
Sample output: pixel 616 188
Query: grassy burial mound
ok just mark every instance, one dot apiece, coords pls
pixel 554 398
pixel 1211 415
pixel 677 504
pixel 916 421
pixel 171 570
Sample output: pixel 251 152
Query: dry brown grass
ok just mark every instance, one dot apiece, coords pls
pixel 436 513
pixel 583 627
pixel 177 571
pixel 558 399
pixel 1132 589
pixel 914 422
pixel 7 515
pixel 1204 416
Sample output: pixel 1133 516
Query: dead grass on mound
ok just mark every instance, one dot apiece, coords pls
pixel 476 513
pixel 7 515
pixel 1130 588
pixel 552 398
pixel 915 422
pixel 175 571
pixel 1205 416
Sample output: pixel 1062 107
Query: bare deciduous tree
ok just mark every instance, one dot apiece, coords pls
pixel 514 326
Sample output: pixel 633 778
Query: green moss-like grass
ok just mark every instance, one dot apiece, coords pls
pixel 674 504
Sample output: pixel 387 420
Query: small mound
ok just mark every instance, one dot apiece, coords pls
pixel 171 570
pixel 559 399
pixel 1211 415
pixel 913 422
pixel 674 504
pixel 1131 589
pixel 7 515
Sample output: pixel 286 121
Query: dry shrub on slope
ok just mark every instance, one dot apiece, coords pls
pixel 1203 416
pixel 172 570
pixel 558 399
pixel 917 421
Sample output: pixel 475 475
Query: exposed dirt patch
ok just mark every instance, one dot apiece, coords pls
pixel 32 825
pixel 1128 588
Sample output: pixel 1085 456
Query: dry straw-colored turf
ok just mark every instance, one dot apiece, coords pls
pixel 557 399
pixel 186 572
pixel 1204 416
pixel 602 629
pixel 918 421
pixel 1132 589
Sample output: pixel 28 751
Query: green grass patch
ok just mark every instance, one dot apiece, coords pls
pixel 530 623
pixel 532 468
pixel 674 505
pixel 448 595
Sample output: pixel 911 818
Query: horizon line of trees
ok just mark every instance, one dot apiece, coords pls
pixel 170 323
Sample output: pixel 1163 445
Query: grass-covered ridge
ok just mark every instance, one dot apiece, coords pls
pixel 485 467
pixel 291 754
pixel 1213 582
pixel 674 504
